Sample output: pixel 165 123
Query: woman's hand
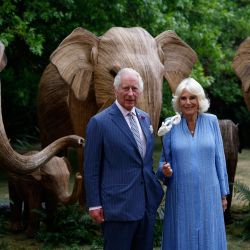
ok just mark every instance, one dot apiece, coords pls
pixel 167 170
pixel 224 203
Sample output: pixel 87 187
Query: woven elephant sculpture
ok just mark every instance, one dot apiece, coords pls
pixel 241 66
pixel 36 176
pixel 231 143
pixel 12 161
pixel 48 185
pixel 78 82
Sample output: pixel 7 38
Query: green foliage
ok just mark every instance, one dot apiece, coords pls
pixel 3 225
pixel 4 217
pixel 210 27
pixel 27 21
pixel 159 226
pixel 126 13
pixel 167 109
pixel 70 225
pixel 4 245
pixel 243 194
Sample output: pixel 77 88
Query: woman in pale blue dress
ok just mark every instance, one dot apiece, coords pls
pixel 193 167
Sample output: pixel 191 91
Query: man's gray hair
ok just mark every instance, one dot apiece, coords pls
pixel 128 71
pixel 193 87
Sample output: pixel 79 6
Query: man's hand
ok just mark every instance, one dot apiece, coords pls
pixel 97 215
pixel 167 170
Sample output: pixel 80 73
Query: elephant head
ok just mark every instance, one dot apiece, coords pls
pixel 54 177
pixel 15 162
pixel 48 185
pixel 78 82
pixel 241 66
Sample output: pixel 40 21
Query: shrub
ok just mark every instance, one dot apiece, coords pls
pixel 158 226
pixel 243 194
pixel 70 225
pixel 4 216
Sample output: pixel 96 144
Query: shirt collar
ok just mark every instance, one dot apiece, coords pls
pixel 123 110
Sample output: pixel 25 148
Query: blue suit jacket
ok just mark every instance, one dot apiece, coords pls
pixel 116 177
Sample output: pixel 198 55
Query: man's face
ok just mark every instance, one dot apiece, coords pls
pixel 128 91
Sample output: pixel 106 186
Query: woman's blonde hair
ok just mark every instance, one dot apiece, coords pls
pixel 193 87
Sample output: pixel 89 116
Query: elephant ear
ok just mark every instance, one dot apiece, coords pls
pixel 75 58
pixel 178 57
pixel 3 58
pixel 241 66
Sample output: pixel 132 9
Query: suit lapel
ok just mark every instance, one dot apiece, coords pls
pixel 144 125
pixel 118 118
pixel 145 128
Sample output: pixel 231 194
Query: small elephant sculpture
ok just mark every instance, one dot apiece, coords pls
pixel 78 82
pixel 241 66
pixel 49 185
pixel 231 143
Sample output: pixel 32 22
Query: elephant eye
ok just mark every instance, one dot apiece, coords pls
pixel 113 72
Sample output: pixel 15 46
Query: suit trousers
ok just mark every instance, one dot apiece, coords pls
pixel 129 235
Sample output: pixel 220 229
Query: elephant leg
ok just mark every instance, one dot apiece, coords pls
pixel 15 207
pixel 34 203
pixel 51 205
pixel 231 170
pixel 26 213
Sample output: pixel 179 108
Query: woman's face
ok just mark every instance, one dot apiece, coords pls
pixel 188 103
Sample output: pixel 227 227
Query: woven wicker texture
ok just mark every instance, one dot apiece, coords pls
pixel 15 162
pixel 241 66
pixel 78 82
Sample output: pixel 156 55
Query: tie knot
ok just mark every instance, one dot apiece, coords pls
pixel 130 114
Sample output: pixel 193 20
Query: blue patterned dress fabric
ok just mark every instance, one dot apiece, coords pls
pixel 193 217
pixel 135 131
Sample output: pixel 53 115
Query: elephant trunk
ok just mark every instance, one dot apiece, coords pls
pixel 76 192
pixel 12 161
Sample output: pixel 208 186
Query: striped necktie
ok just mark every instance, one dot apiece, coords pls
pixel 135 131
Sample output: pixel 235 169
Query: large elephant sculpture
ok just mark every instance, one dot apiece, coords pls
pixel 241 66
pixel 78 82
pixel 48 185
pixel 12 161
pixel 231 143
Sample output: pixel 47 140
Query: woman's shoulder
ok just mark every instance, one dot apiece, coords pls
pixel 209 116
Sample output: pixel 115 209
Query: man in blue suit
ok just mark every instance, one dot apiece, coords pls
pixel 122 191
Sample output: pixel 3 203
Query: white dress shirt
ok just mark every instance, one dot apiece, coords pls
pixel 125 113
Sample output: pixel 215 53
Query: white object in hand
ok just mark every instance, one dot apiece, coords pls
pixel 167 125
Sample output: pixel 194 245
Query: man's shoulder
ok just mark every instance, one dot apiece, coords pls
pixel 141 112
pixel 102 114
